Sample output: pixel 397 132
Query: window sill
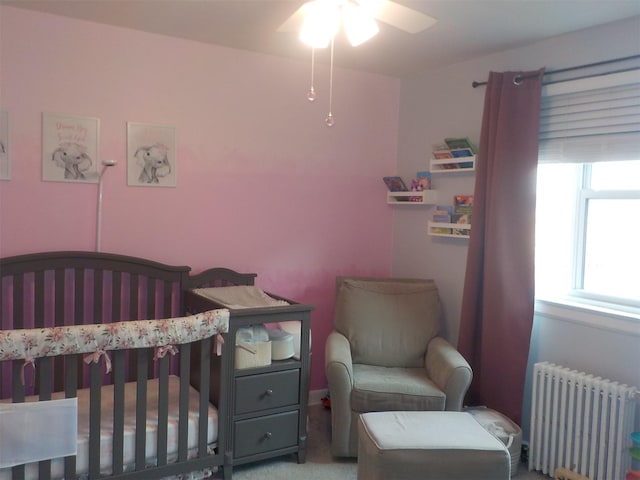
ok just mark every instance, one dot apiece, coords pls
pixel 600 317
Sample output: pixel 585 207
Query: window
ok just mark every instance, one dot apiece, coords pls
pixel 588 232
pixel 588 193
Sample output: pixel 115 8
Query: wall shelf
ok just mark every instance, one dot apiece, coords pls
pixel 453 165
pixel 426 197
pixel 437 229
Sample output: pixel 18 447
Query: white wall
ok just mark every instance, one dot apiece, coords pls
pixel 441 103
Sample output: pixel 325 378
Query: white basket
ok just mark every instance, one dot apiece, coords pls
pixel 503 428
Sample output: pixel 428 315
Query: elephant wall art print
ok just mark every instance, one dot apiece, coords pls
pixel 151 155
pixel 70 148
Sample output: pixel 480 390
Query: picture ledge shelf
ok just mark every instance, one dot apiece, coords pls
pixel 450 226
pixel 425 197
pixel 453 165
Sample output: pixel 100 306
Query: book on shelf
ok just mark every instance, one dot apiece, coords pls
pixel 441 218
pixel 462 152
pixel 463 204
pixel 460 143
pixel 442 154
pixel 461 219
pixel 444 210
pixel 442 214
pixel 462 212
pixel 395 184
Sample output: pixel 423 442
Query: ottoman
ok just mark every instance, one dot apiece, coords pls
pixel 428 446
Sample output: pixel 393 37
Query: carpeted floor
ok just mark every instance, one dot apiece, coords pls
pixel 320 465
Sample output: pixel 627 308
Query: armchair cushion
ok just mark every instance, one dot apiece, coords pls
pixel 379 389
pixel 388 323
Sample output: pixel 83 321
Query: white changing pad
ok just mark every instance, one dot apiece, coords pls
pixel 106 428
pixel 240 296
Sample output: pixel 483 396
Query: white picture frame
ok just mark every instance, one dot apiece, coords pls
pixel 151 155
pixel 5 148
pixel 70 148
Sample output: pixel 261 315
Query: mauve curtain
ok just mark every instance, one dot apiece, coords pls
pixel 497 303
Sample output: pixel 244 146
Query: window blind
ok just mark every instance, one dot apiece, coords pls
pixel 591 119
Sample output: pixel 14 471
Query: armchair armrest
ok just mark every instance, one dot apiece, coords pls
pixel 339 371
pixel 449 371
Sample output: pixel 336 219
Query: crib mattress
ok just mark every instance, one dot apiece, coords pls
pixel 106 429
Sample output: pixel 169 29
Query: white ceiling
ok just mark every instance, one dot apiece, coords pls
pixel 465 28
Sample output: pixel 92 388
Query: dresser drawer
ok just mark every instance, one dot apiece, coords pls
pixel 267 390
pixel 263 434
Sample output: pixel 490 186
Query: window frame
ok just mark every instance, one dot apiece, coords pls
pixel 576 293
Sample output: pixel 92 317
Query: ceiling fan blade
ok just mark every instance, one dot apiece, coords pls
pixel 294 22
pixel 402 17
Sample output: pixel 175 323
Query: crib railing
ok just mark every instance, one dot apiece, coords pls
pixel 163 340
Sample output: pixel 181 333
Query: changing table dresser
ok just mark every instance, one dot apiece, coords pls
pixel 265 407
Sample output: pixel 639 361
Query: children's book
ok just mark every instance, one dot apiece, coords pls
pixel 456 143
pixel 442 154
pixel 462 208
pixel 462 152
pixel 442 214
pixel 395 184
pixel 463 204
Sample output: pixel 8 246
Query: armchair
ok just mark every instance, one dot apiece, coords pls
pixel 385 354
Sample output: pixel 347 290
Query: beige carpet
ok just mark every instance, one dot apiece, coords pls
pixel 320 465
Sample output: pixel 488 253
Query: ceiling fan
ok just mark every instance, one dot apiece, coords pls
pixel 318 21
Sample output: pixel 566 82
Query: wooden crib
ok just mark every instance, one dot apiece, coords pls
pixel 111 331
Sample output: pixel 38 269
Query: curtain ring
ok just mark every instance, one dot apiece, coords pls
pixel 517 80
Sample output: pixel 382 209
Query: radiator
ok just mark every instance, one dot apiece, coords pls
pixel 580 422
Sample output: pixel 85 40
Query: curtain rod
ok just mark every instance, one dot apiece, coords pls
pixel 475 84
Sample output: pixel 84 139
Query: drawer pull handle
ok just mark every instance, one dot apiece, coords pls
pixel 269 392
pixel 268 435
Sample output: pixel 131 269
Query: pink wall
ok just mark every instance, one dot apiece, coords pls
pixel 263 185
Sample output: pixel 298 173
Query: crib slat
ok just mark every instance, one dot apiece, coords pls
pixel 141 407
pixel 95 400
pixel 17 472
pixel 59 288
pixel 44 470
pixel 18 304
pixel 205 369
pixel 118 361
pixel 44 389
pixel 70 391
pixel 16 381
pixel 98 296
pixel 163 409
pixel 79 296
pixel 185 362
pixel 134 285
pixel 167 296
pixel 151 299
pixel 38 307
pixel 116 297
pixel 43 373
pixel 18 396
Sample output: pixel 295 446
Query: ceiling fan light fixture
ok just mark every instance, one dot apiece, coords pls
pixel 321 23
pixel 359 24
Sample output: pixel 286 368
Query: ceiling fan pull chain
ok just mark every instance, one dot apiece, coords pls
pixel 311 94
pixel 329 120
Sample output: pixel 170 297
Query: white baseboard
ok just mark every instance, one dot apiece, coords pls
pixel 315 396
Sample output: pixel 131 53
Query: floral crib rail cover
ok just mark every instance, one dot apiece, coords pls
pixel 29 344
